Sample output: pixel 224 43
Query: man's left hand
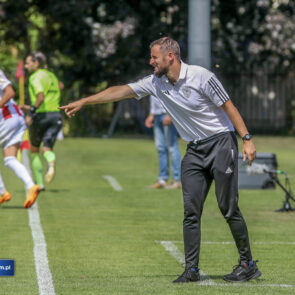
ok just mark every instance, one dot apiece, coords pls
pixel 167 120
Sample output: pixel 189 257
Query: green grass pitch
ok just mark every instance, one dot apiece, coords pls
pixel 102 241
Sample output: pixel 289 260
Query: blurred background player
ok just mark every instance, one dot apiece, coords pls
pixel 43 118
pixel 166 142
pixel 12 128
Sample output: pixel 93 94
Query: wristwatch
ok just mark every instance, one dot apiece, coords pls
pixel 247 137
pixel 33 109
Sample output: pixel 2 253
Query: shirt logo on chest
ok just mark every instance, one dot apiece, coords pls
pixel 186 91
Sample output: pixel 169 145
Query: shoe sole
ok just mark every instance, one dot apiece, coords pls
pixel 29 203
pixel 256 275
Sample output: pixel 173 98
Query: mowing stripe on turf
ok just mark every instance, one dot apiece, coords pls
pixel 174 251
pixel 205 279
pixel 113 182
pixel 44 276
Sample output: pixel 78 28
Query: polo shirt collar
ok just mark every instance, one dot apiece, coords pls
pixel 183 70
pixel 182 74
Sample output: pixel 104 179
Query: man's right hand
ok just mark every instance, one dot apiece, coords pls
pixel 72 108
pixel 149 121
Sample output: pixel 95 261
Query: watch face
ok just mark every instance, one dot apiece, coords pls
pixel 247 137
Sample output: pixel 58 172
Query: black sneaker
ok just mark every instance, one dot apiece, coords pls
pixel 243 272
pixel 189 275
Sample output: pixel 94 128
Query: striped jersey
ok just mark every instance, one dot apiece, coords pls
pixel 193 102
pixel 10 108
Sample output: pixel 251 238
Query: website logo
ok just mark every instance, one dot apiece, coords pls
pixel 6 267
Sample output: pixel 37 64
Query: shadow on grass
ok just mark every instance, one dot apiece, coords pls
pixel 56 191
pixel 217 277
pixel 12 207
pixel 63 190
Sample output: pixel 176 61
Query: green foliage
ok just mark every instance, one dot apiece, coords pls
pixel 253 34
pixel 8 64
pixel 92 41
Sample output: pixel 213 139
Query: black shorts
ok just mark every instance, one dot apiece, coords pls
pixel 45 128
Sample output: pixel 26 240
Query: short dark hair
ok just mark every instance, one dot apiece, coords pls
pixel 167 44
pixel 40 57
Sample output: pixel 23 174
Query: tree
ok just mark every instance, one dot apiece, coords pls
pixel 249 33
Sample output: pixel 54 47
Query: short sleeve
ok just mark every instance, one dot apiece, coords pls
pixel 214 90
pixel 143 87
pixel 4 82
pixel 40 83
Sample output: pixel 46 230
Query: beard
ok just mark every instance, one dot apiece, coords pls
pixel 161 72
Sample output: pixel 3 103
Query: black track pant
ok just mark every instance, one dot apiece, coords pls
pixel 213 158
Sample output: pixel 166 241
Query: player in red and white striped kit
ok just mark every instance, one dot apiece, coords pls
pixel 12 128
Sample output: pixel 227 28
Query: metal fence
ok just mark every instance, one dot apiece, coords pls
pixel 266 101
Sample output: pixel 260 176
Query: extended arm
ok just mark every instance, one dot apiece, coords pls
pixel 110 94
pixel 7 95
pixel 238 122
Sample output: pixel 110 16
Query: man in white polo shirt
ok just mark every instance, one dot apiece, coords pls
pixel 204 116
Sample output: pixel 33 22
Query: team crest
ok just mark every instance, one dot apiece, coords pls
pixel 186 91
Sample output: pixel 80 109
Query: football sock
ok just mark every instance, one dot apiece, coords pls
pixel 37 168
pixel 2 186
pixel 19 170
pixel 49 156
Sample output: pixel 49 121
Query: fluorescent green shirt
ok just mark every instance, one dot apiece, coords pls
pixel 46 82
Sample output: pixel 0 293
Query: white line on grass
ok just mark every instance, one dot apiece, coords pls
pixel 174 251
pixel 113 182
pixel 44 276
pixel 247 285
pixel 205 279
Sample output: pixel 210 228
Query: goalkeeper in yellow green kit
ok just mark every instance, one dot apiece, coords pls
pixel 43 119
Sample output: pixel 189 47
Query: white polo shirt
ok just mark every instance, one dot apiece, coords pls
pixel 156 107
pixel 193 102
